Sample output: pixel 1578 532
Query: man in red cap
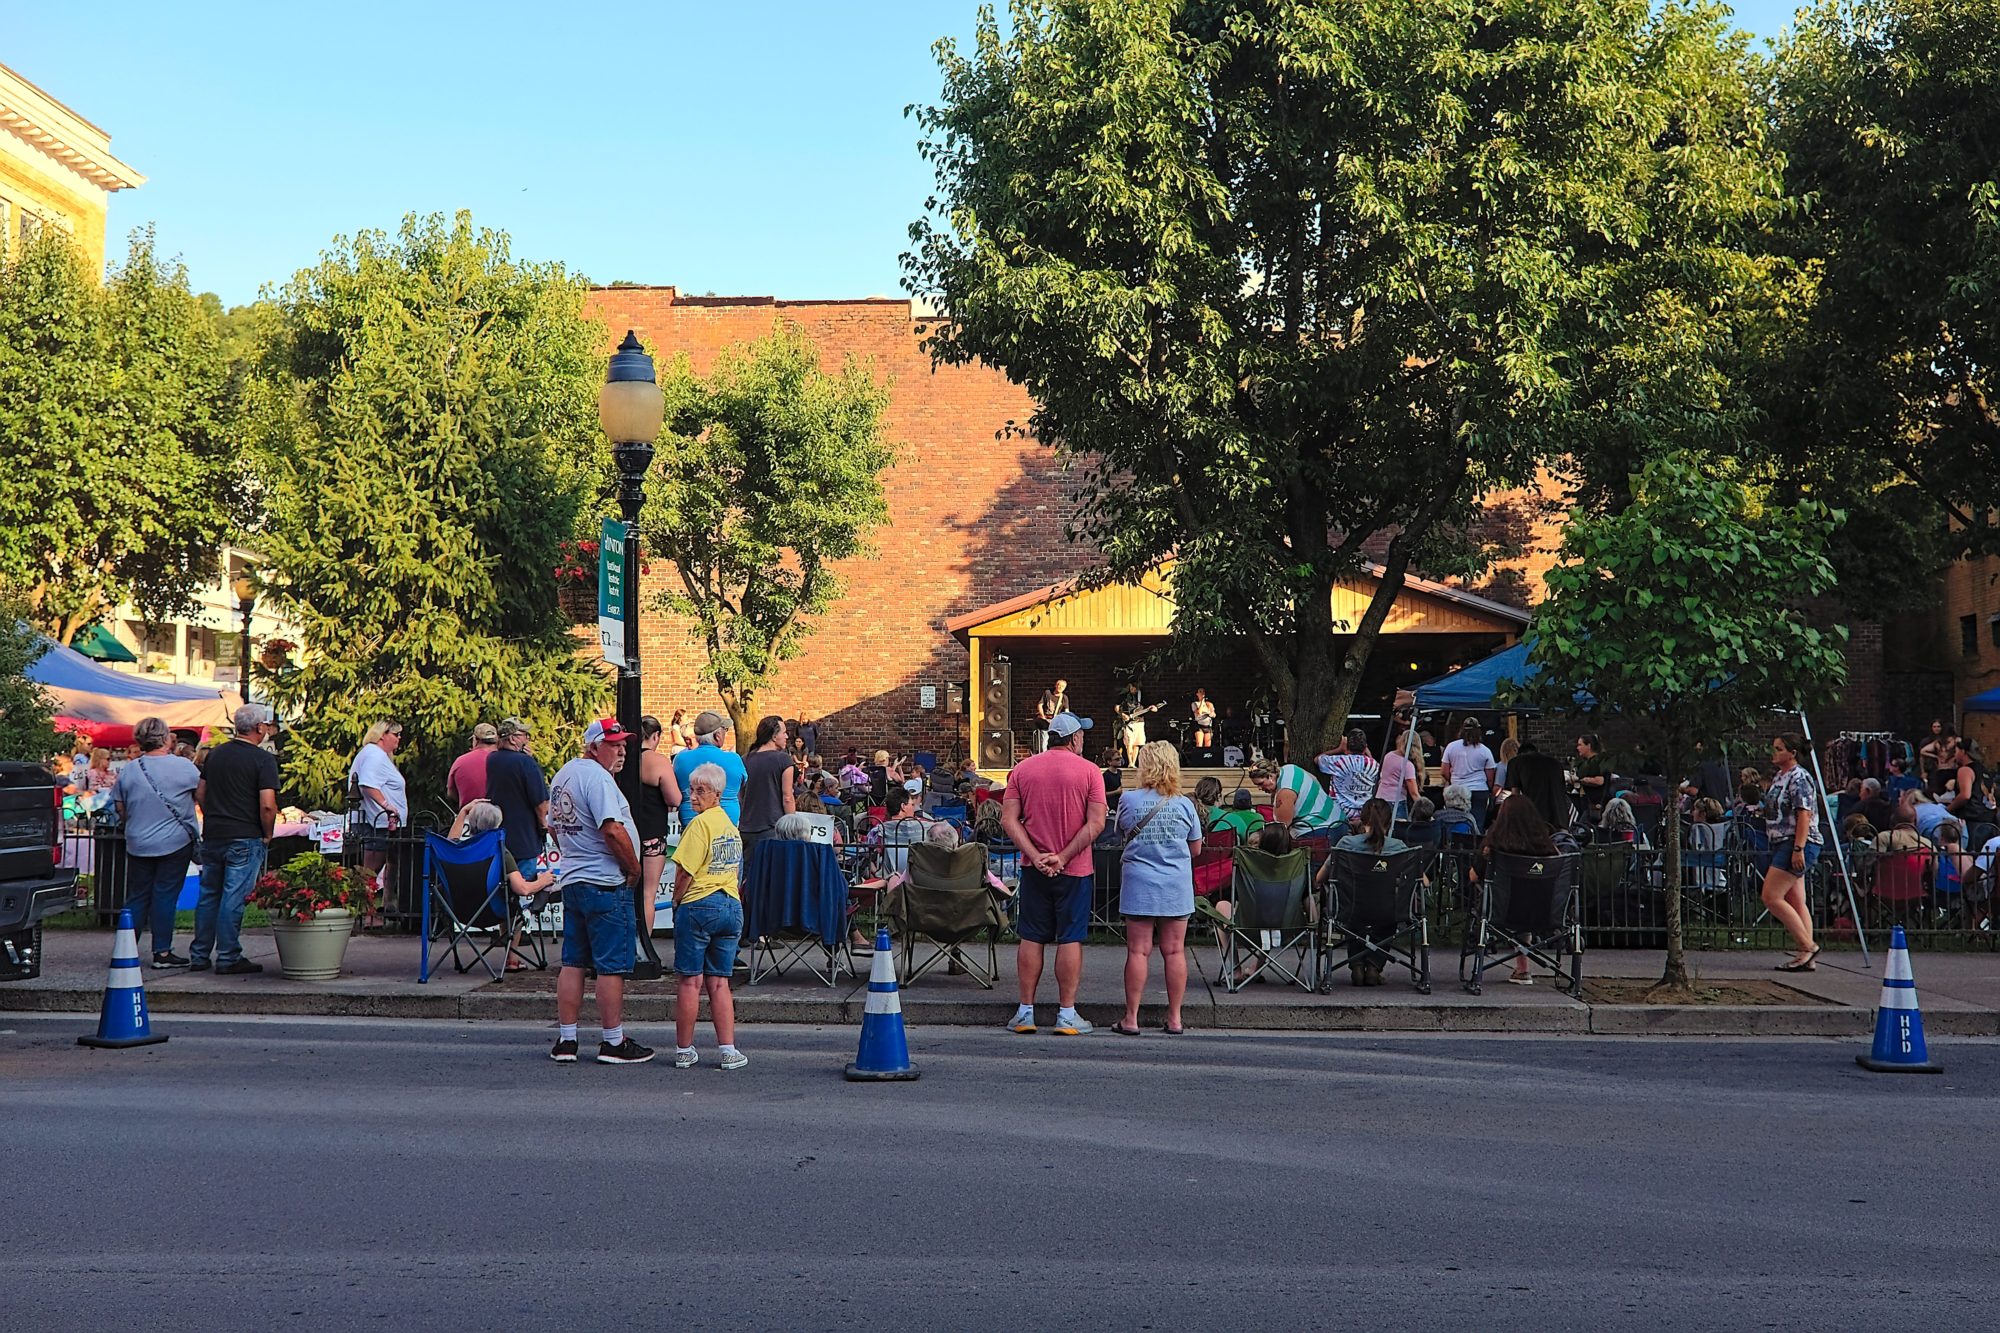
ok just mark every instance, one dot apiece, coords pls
pixel 599 847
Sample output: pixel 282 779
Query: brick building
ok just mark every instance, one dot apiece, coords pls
pixel 976 515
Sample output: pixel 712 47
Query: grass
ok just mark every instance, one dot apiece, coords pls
pixel 85 918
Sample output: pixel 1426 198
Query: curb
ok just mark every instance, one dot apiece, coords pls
pixel 842 1010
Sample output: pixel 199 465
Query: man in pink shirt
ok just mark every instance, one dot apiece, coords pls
pixel 1053 810
pixel 467 780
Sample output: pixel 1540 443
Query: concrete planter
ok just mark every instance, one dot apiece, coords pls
pixel 312 950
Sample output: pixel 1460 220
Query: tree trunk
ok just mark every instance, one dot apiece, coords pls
pixel 1675 976
pixel 740 702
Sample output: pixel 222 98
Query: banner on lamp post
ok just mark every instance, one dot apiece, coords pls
pixel 611 591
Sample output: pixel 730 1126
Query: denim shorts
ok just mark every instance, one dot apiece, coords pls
pixel 1055 909
pixel 599 928
pixel 1780 858
pixel 706 933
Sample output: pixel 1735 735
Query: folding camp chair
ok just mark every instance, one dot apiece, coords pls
pixel 1270 925
pixel 1375 902
pixel 476 911
pixel 1215 863
pixel 795 910
pixel 1526 905
pixel 945 905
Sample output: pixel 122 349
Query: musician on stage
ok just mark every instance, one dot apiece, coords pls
pixel 1132 709
pixel 1204 720
pixel 1053 701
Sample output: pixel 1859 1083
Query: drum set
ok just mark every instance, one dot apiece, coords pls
pixel 1266 740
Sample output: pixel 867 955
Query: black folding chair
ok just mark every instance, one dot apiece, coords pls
pixel 476 911
pixel 1270 925
pixel 1526 904
pixel 1375 908
pixel 946 906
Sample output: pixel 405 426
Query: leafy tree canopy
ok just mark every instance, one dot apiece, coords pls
pixel 1680 616
pixel 428 435
pixel 1888 112
pixel 769 474
pixel 1298 284
pixel 26 709
pixel 121 479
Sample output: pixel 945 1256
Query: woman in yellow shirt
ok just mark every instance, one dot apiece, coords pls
pixel 708 918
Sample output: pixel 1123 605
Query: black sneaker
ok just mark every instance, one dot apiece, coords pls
pixel 564 1052
pixel 169 959
pixel 242 967
pixel 200 965
pixel 626 1052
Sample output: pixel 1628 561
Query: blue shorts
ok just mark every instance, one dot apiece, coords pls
pixel 1055 909
pixel 706 933
pixel 1781 857
pixel 599 928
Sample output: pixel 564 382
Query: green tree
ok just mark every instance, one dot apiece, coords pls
pixel 26 709
pixel 428 434
pixel 769 474
pixel 1679 615
pixel 115 407
pixel 1888 112
pixel 1297 285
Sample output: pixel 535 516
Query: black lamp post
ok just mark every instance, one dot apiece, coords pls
pixel 631 409
pixel 246 602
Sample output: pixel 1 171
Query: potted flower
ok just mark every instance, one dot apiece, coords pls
pixel 313 904
pixel 276 654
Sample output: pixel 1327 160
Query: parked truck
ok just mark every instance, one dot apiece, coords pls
pixel 34 883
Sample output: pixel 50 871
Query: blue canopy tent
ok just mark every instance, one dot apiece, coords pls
pixel 1987 701
pixel 90 692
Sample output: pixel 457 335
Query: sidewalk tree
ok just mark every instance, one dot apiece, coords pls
pixel 1679 615
pixel 120 481
pixel 26 709
pixel 1296 286
pixel 428 421
pixel 769 473
pixel 1888 112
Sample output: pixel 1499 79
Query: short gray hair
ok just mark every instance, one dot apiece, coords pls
pixel 709 777
pixel 1618 815
pixel 708 725
pixel 480 817
pixel 941 834
pixel 250 717
pixel 151 733
pixel 1458 796
pixel 1870 785
pixel 795 827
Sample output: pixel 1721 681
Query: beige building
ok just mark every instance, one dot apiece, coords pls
pixel 56 169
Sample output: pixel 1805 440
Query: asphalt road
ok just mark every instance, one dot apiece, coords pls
pixel 364 1174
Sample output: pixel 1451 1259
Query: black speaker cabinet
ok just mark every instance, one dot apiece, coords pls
pixel 996 694
pixel 954 699
pixel 996 747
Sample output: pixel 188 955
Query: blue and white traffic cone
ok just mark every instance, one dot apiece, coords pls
pixel 1899 1024
pixel 885 1055
pixel 123 1021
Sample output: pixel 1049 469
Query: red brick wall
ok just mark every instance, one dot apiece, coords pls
pixel 974 519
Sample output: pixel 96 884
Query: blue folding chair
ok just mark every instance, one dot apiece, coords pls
pixel 476 910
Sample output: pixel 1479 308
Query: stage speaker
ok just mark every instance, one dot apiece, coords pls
pixel 996 747
pixel 996 695
pixel 954 699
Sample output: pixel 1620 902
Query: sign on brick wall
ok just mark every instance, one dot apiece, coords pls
pixel 611 592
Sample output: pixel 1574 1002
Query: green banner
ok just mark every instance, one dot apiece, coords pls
pixel 611 592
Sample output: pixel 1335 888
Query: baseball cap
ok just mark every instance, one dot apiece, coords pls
pixel 514 726
pixel 605 729
pixel 1068 724
pixel 485 733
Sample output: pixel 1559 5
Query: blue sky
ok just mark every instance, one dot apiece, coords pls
pixel 746 147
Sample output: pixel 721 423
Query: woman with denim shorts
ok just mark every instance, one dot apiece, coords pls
pixel 1791 818
pixel 708 919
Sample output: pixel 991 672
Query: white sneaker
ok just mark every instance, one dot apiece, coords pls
pixel 685 1057
pixel 734 1059
pixel 1073 1024
pixel 1023 1020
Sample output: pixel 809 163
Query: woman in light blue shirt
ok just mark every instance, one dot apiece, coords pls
pixel 1162 834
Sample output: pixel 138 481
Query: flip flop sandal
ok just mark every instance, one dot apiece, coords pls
pixel 1124 1031
pixel 1173 1032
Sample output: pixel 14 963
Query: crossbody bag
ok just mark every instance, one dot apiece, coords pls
pixel 194 834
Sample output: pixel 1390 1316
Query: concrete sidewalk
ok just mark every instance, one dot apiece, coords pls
pixel 1959 992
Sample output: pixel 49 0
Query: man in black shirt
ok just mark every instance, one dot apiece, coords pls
pixel 1053 701
pixel 515 783
pixel 238 796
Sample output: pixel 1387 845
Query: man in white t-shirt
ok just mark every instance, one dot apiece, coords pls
pixel 1469 764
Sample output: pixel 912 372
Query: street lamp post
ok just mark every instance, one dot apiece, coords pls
pixel 631 409
pixel 246 602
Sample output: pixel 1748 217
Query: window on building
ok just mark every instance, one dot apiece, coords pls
pixel 6 215
pixel 31 225
pixel 1993 630
pixel 1968 635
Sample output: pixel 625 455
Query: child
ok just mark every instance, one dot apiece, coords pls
pixel 708 919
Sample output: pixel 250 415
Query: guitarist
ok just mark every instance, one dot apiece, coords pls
pixel 1053 701
pixel 1132 709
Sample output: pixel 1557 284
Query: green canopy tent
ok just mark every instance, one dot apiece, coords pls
pixel 101 644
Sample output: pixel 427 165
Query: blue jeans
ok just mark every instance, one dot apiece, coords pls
pixel 706 934
pixel 153 891
pixel 229 870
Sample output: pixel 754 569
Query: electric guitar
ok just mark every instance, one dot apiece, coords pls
pixel 1127 716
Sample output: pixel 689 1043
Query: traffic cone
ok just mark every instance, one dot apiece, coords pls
pixel 884 1056
pixel 1899 1024
pixel 124 1021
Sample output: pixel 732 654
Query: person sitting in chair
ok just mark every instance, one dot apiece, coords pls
pixel 1241 818
pixel 1518 830
pixel 1374 839
pixel 1456 820
pixel 483 816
